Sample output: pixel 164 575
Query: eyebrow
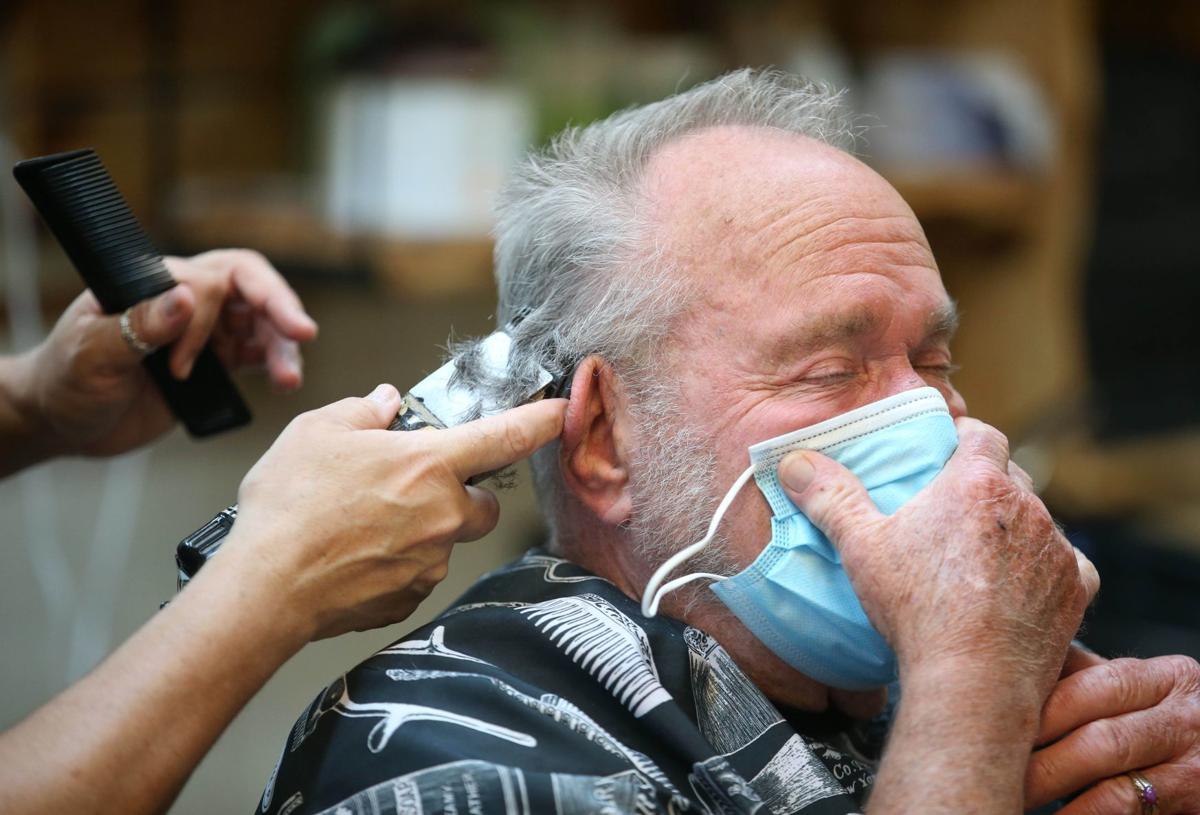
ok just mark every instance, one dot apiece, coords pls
pixel 942 322
pixel 831 329
pixel 808 335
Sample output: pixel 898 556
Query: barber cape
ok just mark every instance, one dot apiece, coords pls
pixel 544 690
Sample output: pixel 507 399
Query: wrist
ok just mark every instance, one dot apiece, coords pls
pixel 252 593
pixel 28 438
pixel 1008 701
pixel 960 741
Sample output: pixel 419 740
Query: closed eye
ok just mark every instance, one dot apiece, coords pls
pixel 830 378
pixel 942 371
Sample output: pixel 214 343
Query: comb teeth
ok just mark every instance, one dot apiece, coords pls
pixel 94 224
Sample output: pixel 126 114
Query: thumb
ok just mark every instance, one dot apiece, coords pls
pixel 375 411
pixel 156 322
pixel 827 493
pixel 161 320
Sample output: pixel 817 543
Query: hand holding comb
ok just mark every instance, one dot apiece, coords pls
pixel 88 216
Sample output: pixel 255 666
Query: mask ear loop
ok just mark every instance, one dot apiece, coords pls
pixel 654 593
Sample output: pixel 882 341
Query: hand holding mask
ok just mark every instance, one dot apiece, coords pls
pixel 964 572
pixel 930 556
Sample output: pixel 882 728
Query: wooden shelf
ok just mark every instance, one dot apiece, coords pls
pixel 991 201
pixel 1131 477
pixel 278 221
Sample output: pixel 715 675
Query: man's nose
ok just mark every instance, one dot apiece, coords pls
pixel 904 377
pixel 901 376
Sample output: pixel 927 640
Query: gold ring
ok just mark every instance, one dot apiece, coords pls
pixel 1147 795
pixel 130 336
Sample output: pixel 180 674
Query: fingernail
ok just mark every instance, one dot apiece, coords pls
pixel 796 471
pixel 382 394
pixel 291 357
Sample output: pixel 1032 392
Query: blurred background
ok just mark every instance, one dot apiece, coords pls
pixel 1049 147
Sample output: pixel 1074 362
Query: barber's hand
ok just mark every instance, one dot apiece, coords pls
pixel 91 394
pixel 1106 718
pixel 349 526
pixel 971 573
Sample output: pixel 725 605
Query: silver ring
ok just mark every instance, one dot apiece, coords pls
pixel 130 336
pixel 1147 795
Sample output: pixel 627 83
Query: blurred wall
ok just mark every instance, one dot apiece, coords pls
pixel 289 126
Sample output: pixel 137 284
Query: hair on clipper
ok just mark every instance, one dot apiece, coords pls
pixel 494 392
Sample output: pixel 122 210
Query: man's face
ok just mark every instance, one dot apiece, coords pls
pixel 817 294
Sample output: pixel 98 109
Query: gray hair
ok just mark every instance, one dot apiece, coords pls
pixel 574 258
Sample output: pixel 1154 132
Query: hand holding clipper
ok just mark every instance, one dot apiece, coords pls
pixel 353 525
pixel 438 402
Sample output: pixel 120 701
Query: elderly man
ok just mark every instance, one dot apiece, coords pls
pixel 718 272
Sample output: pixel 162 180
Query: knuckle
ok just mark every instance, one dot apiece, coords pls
pixel 1065 570
pixel 211 291
pixel 245 254
pixel 1112 739
pixel 1042 769
pixel 993 483
pixel 251 483
pixel 1086 588
pixel 353 410
pixel 995 440
pixel 982 438
pixel 305 421
pixel 1041 524
pixel 968 427
pixel 419 585
pixel 516 438
pixel 838 494
pixel 1185 673
pixel 1115 676
pixel 438 571
pixel 836 508
pixel 1183 668
pixel 363 413
pixel 431 463
pixel 450 520
pixel 1113 795
pixel 239 258
pixel 1027 510
pixel 1062 567
pixel 182 269
pixel 427 578
pixel 299 425
pixel 1188 780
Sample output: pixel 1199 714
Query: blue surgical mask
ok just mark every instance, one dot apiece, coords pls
pixel 796 597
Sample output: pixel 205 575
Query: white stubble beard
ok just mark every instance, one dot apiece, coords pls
pixel 671 483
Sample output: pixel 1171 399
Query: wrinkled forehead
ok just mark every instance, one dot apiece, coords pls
pixel 755 200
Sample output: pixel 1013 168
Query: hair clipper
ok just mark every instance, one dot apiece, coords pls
pixel 438 401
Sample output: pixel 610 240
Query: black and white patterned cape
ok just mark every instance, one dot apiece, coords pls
pixel 544 690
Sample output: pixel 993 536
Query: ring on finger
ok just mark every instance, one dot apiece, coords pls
pixel 1147 795
pixel 131 337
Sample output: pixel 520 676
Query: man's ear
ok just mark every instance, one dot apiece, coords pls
pixel 594 442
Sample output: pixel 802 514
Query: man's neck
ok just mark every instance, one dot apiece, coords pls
pixel 612 558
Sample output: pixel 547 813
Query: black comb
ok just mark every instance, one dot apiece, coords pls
pixel 110 250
